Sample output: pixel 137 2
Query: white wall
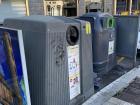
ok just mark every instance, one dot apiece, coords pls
pixel 96 0
pixel 12 9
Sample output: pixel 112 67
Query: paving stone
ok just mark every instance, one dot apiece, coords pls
pixel 115 101
pixel 118 101
pixel 131 93
pixel 135 85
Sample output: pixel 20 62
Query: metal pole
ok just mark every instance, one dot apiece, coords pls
pixel 77 7
pixel 27 7
pixel 130 7
pixel 114 7
pixel 45 10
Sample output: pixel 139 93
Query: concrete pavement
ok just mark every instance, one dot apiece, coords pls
pixel 112 89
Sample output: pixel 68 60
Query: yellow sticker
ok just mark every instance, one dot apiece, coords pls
pixel 88 28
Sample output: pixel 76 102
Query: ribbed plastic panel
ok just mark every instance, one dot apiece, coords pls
pixel 35 57
pixel 45 48
pixel 57 85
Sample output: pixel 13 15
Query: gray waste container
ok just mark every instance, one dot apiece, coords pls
pixel 85 53
pixel 103 40
pixel 128 36
pixel 57 73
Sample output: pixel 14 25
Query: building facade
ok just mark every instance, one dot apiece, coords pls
pixel 53 8
pixel 127 7
pixel 94 5
pixel 46 7
pixel 16 8
pixel 108 6
pixel 36 7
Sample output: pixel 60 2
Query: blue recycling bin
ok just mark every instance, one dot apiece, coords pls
pixel 103 40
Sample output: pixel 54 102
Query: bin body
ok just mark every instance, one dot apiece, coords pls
pixel 128 36
pixel 103 40
pixel 85 54
pixel 54 60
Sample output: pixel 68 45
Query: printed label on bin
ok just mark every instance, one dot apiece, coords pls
pixel 111 47
pixel 138 43
pixel 74 71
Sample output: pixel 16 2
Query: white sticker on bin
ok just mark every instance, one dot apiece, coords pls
pixel 111 47
pixel 74 71
pixel 138 43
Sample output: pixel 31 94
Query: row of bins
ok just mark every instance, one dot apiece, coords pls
pixel 62 53
pixel 113 37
